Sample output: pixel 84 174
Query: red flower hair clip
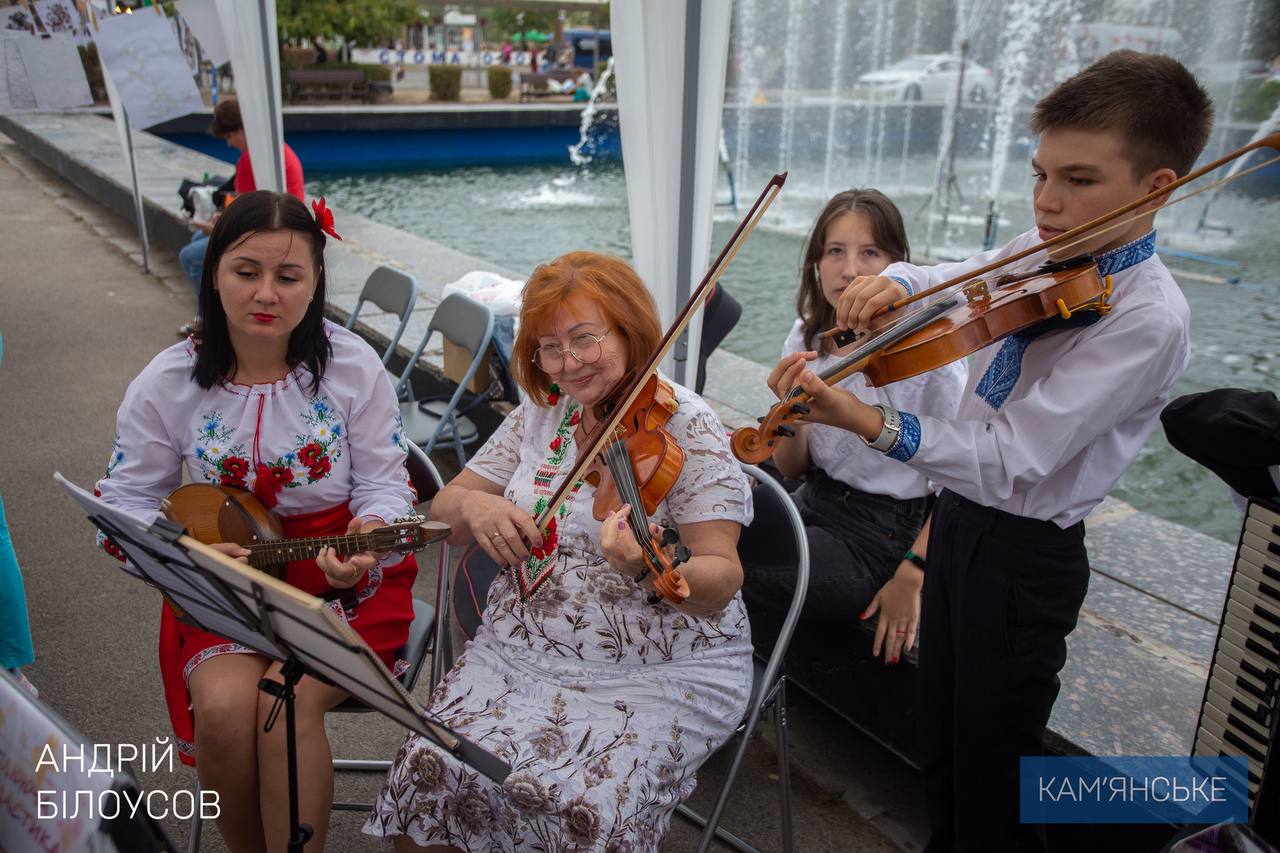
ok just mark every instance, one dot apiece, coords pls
pixel 324 217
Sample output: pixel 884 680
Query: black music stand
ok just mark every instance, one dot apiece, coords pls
pixel 29 725
pixel 228 598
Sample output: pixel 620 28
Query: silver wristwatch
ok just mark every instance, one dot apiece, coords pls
pixel 889 432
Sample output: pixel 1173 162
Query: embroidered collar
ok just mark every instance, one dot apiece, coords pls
pixel 1128 255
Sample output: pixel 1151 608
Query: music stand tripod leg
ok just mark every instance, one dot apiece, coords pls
pixel 292 672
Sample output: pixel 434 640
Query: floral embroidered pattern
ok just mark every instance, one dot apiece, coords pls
pixel 908 441
pixel 533 571
pixel 224 463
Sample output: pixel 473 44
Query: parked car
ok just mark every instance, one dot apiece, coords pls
pixel 926 77
pixel 1226 72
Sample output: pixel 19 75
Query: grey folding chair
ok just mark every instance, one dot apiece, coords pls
pixel 429 630
pixel 467 324
pixel 396 293
pixel 768 690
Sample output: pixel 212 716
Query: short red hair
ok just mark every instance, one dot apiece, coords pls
pixel 624 302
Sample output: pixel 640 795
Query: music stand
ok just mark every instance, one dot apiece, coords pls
pixel 228 598
pixel 29 727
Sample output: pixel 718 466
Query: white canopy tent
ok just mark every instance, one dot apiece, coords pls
pixel 249 34
pixel 671 60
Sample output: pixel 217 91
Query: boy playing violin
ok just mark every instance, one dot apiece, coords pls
pixel 1049 420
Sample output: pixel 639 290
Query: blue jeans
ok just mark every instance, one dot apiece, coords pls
pixel 192 258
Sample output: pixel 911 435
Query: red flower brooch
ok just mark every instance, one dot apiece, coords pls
pixel 324 217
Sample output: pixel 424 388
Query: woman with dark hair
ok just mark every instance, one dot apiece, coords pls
pixel 275 399
pixel 862 510
pixel 604 704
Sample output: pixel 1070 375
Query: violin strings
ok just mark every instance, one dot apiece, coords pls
pixel 624 479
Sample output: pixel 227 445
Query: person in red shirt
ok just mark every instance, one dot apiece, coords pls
pixel 227 125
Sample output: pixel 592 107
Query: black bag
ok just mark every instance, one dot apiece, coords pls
pixel 223 186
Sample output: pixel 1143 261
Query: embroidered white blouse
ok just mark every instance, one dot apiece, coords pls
pixel 1047 426
pixel 341 444
pixel 843 455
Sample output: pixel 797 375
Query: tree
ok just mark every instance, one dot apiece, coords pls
pixel 505 22
pixel 368 22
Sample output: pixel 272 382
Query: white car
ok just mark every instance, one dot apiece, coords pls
pixel 926 77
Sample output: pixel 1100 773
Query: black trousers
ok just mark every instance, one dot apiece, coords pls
pixel 856 541
pixel 1001 594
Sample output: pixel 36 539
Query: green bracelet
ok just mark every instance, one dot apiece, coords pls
pixel 914 558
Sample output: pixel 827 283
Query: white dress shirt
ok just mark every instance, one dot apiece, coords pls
pixel 342 444
pixel 845 457
pixel 1046 428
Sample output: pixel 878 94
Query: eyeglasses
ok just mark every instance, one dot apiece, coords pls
pixel 585 349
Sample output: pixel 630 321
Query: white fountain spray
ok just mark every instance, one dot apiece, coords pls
pixel 748 85
pixel 790 82
pixel 1022 29
pixel 837 74
pixel 968 12
pixel 913 48
pixel 882 124
pixel 877 45
pixel 576 157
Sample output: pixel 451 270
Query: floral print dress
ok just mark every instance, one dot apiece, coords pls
pixel 603 704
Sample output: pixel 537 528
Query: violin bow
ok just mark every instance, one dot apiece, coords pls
pixel 1090 229
pixel 604 431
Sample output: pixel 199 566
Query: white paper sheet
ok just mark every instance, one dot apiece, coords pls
pixel 17 18
pixel 149 70
pixel 62 16
pixel 56 73
pixel 16 92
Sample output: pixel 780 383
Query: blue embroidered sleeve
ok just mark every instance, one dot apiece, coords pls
pixel 908 441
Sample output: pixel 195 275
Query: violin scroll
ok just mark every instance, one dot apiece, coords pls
pixel 753 445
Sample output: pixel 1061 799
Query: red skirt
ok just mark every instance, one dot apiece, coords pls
pixel 381 618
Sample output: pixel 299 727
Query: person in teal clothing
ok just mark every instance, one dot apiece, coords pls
pixel 15 633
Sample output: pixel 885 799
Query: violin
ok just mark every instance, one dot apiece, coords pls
pixel 640 467
pixel 630 457
pixel 899 347
pixel 972 313
pixel 214 513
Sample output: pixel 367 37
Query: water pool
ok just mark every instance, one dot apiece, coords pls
pixel 520 216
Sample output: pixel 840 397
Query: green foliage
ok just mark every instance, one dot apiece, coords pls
pixel 504 22
pixel 367 22
pixel 1257 100
pixel 446 82
pixel 499 83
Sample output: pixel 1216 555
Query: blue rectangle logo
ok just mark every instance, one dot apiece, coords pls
pixel 1134 789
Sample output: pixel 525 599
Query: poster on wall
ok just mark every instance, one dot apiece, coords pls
pixel 15 87
pixel 150 72
pixel 57 76
pixel 17 18
pixel 62 16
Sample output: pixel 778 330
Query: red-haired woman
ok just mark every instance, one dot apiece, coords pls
pixel 603 704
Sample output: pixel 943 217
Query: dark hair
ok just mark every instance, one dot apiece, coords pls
pixel 226 118
pixel 250 213
pixel 1162 114
pixel 887 230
